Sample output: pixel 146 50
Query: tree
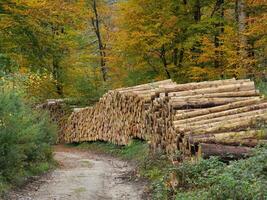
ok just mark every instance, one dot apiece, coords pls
pixel 96 23
pixel 34 34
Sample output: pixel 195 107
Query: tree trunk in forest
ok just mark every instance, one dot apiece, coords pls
pixel 245 50
pixel 197 11
pixel 178 59
pixel 241 21
pixel 164 61
pixel 175 56
pixel 181 58
pixel 101 46
pixel 56 75
pixel 219 6
pixel 56 69
pixel 197 44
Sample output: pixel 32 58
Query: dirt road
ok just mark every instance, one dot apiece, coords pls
pixel 84 175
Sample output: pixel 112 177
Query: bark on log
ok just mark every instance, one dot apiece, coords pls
pixel 247 138
pixel 198 112
pixel 223 151
pixel 223 113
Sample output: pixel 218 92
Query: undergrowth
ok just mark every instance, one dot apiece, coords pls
pixel 25 140
pixel 203 180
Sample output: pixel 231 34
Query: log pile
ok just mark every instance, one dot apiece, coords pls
pixel 205 118
pixel 209 118
pixel 119 116
pixel 59 114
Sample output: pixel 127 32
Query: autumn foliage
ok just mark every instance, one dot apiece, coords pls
pixel 80 49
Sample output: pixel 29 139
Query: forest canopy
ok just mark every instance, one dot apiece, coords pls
pixel 78 49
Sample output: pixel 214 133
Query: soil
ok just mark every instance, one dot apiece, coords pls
pixel 84 175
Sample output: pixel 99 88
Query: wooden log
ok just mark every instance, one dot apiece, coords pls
pixel 248 138
pixel 247 93
pixel 205 84
pixel 199 112
pixel 257 106
pixel 222 118
pixel 223 151
pixel 204 102
pixel 146 86
pixel 235 87
pixel 226 126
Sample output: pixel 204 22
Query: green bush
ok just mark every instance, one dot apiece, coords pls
pixel 25 139
pixel 211 179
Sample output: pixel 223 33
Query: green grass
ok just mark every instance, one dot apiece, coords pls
pixel 262 87
pixel 36 169
pixel 137 150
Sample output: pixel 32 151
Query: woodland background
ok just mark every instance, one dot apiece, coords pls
pixel 78 49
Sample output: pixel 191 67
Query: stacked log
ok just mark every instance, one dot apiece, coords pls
pixel 205 118
pixel 59 114
pixel 119 116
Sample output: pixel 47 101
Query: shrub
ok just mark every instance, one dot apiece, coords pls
pixel 25 138
pixel 210 179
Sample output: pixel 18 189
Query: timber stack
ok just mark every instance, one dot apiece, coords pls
pixel 209 118
pixel 59 115
pixel 119 116
pixel 205 118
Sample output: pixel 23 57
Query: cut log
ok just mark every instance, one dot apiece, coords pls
pixel 247 93
pixel 246 86
pixel 199 112
pixel 223 151
pixel 223 113
pixel 205 84
pixel 227 126
pixel 247 138
pixel 221 119
pixel 204 102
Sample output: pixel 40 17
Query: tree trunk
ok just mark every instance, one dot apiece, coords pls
pixel 220 25
pixel 175 56
pixel 197 11
pixel 241 21
pixel 224 152
pixel 164 61
pixel 56 75
pixel 246 50
pixel 101 46
pixel 181 57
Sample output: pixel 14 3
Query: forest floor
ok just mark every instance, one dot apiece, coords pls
pixel 84 175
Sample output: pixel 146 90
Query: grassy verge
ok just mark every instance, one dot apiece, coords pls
pixel 34 170
pixel 206 179
pixel 26 136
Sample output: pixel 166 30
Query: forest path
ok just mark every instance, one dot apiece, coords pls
pixel 84 175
